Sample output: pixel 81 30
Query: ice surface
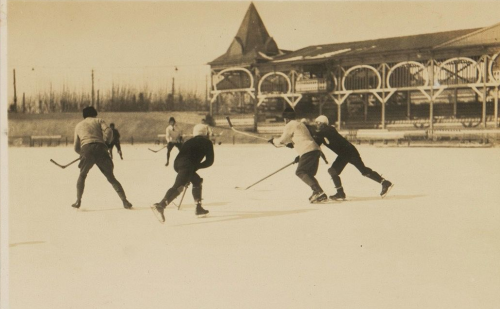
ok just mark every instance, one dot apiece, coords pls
pixel 433 242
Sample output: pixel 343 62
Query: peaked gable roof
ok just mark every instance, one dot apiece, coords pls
pixel 251 43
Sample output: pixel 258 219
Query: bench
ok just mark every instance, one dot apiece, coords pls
pixel 379 135
pixel 49 138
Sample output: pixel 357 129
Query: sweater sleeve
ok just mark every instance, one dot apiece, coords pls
pixel 76 143
pixel 287 135
pixel 209 156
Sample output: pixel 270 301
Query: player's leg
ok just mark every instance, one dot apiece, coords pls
pixel 183 177
pixel 197 182
pixel 306 170
pixel 335 170
pixel 373 175
pixel 119 149
pixel 170 146
pixel 87 161
pixel 110 150
pixel 106 166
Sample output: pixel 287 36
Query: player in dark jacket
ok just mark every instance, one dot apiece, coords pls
pixel 186 164
pixel 346 153
pixel 115 142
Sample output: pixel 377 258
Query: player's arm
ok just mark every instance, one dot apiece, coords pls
pixel 209 156
pixel 286 137
pixel 76 144
pixel 168 137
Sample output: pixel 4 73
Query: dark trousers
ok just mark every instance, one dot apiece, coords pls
pixel 307 169
pixel 118 148
pixel 340 163
pixel 97 154
pixel 171 146
pixel 186 173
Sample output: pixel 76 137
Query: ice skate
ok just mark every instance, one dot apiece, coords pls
pixel 318 197
pixel 77 204
pixel 127 204
pixel 386 187
pixel 200 211
pixel 338 196
pixel 158 210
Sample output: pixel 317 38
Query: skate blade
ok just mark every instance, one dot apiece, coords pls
pixel 157 214
pixel 202 216
pixel 389 189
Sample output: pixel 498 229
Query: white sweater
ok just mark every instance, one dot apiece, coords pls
pixel 297 133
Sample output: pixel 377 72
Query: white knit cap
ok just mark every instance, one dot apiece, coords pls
pixel 322 119
pixel 200 129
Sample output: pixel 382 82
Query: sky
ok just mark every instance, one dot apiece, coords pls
pixel 141 42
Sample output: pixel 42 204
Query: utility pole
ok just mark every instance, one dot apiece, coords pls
pixel 173 93
pixel 206 90
pixel 93 95
pixel 14 107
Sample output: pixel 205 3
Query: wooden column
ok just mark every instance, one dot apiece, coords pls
pixel 485 92
pixel 455 102
pixel 408 104
pixel 496 107
pixel 383 96
pixel 431 108
pixel 365 103
pixel 339 113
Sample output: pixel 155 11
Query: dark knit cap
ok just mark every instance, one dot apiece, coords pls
pixel 289 113
pixel 89 112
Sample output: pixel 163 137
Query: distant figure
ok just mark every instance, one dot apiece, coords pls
pixel 186 164
pixel 115 142
pixel 173 137
pixel 346 153
pixel 91 136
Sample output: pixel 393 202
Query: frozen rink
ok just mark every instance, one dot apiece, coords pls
pixel 433 242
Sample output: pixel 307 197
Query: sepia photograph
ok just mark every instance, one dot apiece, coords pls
pixel 239 154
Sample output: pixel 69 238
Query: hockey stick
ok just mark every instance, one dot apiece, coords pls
pixel 182 198
pixel 64 166
pixel 155 151
pixel 243 133
pixel 266 177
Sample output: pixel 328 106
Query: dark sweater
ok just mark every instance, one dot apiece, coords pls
pixel 331 138
pixel 194 150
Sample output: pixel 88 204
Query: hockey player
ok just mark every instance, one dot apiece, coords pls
pixel 115 142
pixel 296 135
pixel 91 136
pixel 186 164
pixel 173 137
pixel 346 153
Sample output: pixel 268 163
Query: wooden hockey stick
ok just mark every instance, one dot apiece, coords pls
pixel 243 133
pixel 266 177
pixel 155 151
pixel 64 166
pixel 182 197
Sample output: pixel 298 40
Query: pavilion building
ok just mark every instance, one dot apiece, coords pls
pixel 428 81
